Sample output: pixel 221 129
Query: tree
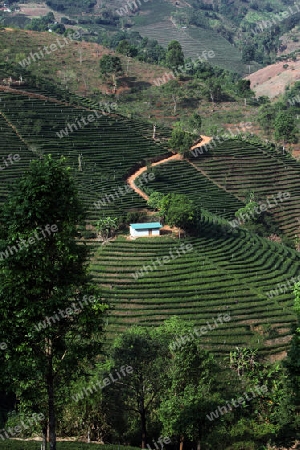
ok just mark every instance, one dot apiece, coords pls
pixel 292 363
pixel 140 392
pixel 42 271
pixel 214 90
pixel 180 211
pixel 266 117
pixel 195 123
pixel 111 65
pixel 177 209
pixel 155 200
pixel 106 227
pixel 181 140
pixel 248 212
pixel 248 53
pixel 285 127
pixel 192 388
pixel 173 89
pixel 174 55
pixel 243 88
pixel 242 359
pixel 126 48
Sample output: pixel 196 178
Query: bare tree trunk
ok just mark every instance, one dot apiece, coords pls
pixel 52 424
pixel 44 432
pixel 144 429
pixel 175 103
pixel 181 443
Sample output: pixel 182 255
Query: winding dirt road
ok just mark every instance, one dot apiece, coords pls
pixel 177 156
pixel 133 177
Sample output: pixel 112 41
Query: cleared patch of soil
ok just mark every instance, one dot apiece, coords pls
pixel 272 80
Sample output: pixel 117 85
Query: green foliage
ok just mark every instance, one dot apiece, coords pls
pixel 36 445
pixel 110 64
pixel 176 209
pixel 156 201
pixel 180 211
pixel 141 389
pixel 42 274
pixel 174 55
pixel 285 127
pixel 71 5
pixel 126 48
pixel 195 123
pixel 266 116
pixel 106 227
pixel 181 140
pixel 46 22
pixel 248 213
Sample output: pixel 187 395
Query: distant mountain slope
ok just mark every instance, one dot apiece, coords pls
pixel 194 41
pixel 272 80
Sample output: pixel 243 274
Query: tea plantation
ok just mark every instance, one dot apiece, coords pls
pixel 227 271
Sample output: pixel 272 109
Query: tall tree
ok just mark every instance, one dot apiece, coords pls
pixel 50 326
pixel 106 227
pixel 174 55
pixel 139 393
pixel 192 390
pixel 111 65
pixel 292 363
pixel 285 127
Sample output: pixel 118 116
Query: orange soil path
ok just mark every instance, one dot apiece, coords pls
pixel 133 177
pixel 205 140
pixel 177 156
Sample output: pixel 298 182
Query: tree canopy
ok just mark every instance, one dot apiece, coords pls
pixel 51 311
pixel 174 55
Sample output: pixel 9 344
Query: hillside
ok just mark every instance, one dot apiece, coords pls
pixel 74 66
pixel 185 319
pixel 194 41
pixel 273 79
pixel 238 269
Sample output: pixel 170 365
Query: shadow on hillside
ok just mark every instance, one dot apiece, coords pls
pixel 132 83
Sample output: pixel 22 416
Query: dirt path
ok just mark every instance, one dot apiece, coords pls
pixel 205 140
pixel 133 177
pixel 177 156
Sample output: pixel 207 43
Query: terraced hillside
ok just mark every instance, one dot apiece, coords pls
pixel 181 177
pixel 227 271
pixel 222 274
pixel 12 145
pixel 194 41
pixel 241 168
pixel 110 147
